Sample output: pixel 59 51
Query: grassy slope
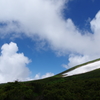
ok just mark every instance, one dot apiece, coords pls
pixel 78 87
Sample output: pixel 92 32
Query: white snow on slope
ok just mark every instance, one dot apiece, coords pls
pixel 83 69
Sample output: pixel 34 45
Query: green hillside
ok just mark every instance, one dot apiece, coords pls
pixel 78 87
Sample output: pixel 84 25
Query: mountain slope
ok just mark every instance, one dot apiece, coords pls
pixel 84 86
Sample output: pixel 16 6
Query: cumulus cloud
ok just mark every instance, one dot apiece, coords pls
pixel 33 16
pixel 76 60
pixel 13 64
pixel 44 18
pixel 92 51
pixel 38 76
pixel 95 24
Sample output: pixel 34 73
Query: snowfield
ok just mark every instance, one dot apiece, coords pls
pixel 83 69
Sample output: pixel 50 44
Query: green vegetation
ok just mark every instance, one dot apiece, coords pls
pixel 78 87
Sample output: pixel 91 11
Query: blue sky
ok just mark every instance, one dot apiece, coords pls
pixel 81 10
pixel 47 37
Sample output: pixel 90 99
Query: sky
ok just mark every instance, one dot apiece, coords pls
pixel 41 38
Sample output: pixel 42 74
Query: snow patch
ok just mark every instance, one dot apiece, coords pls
pixel 83 69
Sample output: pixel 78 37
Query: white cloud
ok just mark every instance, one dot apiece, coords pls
pixel 35 16
pixel 13 64
pixel 37 76
pixel 92 50
pixel 95 23
pixel 47 75
pixel 76 60
pixel 44 18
